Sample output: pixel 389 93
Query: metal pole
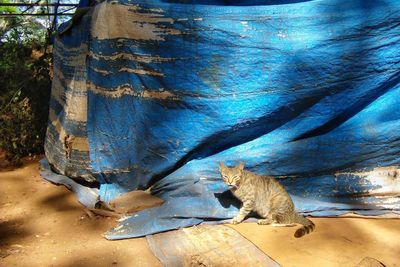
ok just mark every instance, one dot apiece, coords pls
pixel 38 4
pixel 36 14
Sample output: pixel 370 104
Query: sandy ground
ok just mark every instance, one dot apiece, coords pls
pixel 43 225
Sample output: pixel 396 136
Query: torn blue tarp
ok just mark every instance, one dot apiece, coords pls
pixel 154 93
pixel 87 196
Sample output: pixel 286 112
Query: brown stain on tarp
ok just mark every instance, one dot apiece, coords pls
pixel 386 180
pixel 133 57
pixel 127 89
pixel 212 75
pixel 111 21
pixel 78 143
pixel 141 71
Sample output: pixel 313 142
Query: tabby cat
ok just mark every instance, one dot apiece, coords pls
pixel 264 195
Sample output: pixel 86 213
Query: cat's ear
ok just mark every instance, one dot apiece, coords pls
pixel 221 165
pixel 241 165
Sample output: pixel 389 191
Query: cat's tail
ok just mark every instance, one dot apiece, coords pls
pixel 308 226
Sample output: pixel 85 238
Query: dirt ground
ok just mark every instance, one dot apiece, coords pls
pixel 43 225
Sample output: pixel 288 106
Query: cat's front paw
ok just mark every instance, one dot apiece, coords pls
pixel 264 222
pixel 236 221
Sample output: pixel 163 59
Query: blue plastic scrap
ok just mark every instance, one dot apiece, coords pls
pixel 153 93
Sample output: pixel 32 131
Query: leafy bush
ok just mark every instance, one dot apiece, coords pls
pixel 25 86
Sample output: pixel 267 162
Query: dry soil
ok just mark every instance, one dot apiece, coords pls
pixel 43 225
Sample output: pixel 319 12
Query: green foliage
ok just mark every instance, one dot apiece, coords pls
pixel 25 87
pixel 7 9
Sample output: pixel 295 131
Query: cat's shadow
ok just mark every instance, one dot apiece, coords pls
pixel 226 199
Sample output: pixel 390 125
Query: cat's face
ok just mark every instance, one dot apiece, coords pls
pixel 231 175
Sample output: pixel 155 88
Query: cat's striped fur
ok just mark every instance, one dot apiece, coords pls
pixel 264 195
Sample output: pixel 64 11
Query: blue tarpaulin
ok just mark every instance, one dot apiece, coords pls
pixel 153 93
